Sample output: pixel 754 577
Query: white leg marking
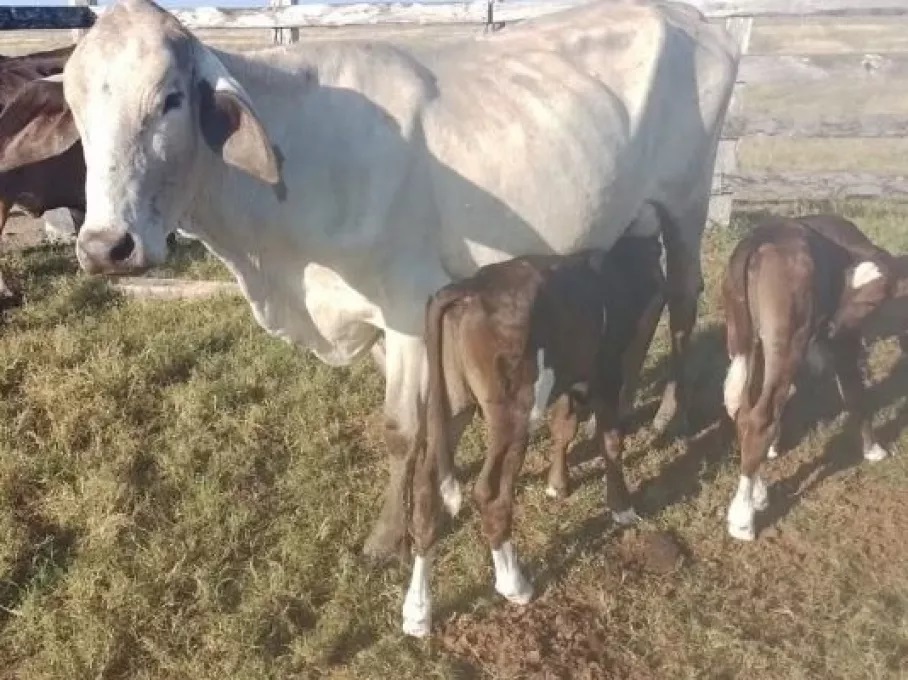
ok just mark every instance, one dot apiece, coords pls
pixel 875 453
pixel 865 273
pixel 451 495
pixel 417 609
pixel 741 511
pixel 542 389
pixel 509 580
pixel 817 359
pixel 735 381
pixel 625 517
pixel 550 492
pixel 773 452
pixel 759 494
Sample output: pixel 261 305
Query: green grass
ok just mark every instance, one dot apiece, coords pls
pixel 183 497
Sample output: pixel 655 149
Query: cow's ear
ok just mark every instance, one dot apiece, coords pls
pixel 36 125
pixel 232 130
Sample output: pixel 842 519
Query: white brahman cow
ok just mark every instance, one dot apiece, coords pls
pixel 343 183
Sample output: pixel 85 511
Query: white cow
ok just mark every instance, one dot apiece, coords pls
pixel 343 183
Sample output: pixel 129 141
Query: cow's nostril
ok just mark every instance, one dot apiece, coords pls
pixel 123 248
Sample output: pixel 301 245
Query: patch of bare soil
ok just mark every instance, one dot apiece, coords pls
pixel 562 634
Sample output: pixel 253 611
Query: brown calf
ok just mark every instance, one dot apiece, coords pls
pixel 794 285
pixel 511 340
pixel 57 180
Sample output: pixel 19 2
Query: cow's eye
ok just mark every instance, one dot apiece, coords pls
pixel 173 101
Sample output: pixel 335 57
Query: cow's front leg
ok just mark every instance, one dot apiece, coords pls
pixel 405 380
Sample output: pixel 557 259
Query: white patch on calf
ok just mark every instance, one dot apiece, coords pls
pixel 759 494
pixel 451 495
pixel 866 272
pixel 875 453
pixel 625 517
pixel 509 580
pixel 542 389
pixel 741 511
pixel 735 381
pixel 417 611
pixel 817 358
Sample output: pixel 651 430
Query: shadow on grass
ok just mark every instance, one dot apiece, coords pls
pixel 843 450
pixel 47 554
pixel 712 440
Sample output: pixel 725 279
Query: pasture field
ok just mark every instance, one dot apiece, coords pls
pixel 182 496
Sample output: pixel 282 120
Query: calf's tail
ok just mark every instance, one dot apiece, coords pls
pixel 740 339
pixel 438 411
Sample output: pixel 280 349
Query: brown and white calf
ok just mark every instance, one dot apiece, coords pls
pixel 514 338
pixel 794 288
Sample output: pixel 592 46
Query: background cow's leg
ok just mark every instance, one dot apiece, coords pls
pixel 611 444
pixel 681 237
pixel 563 427
pixel 494 494
pixel 635 354
pixel 847 353
pixel 404 432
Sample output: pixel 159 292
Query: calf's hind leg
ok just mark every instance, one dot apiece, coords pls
pixel 758 429
pixel 564 425
pixel 494 494
pixel 847 354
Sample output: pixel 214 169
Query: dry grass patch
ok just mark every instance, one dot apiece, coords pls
pixel 182 496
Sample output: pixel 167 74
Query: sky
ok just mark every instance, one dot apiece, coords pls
pixel 179 3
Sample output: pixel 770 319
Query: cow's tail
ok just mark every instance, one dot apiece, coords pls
pixel 438 410
pixel 742 344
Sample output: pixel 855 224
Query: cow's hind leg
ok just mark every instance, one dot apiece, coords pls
pixel 635 354
pixel 847 353
pixel 494 493
pixel 682 239
pixel 611 441
pixel 404 432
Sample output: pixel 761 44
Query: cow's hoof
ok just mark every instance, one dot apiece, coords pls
pixel 742 533
pixel 451 495
pixel 875 454
pixel 625 517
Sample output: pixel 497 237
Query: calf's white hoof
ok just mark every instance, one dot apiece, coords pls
pixel 417 624
pixel 772 454
pixel 759 495
pixel 451 495
pixel 875 454
pixel 742 533
pixel 625 517
pixel 516 590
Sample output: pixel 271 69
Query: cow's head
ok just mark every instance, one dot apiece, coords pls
pixel 155 108
pixel 36 132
